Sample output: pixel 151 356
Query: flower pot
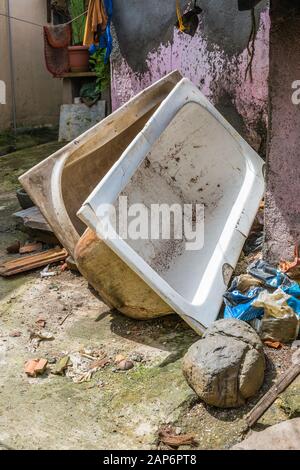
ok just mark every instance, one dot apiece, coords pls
pixel 79 58
pixel 24 200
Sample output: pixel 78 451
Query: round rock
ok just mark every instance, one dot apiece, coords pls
pixel 226 366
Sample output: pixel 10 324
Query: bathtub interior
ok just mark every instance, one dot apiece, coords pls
pixel 195 161
pixel 88 164
pixel 81 175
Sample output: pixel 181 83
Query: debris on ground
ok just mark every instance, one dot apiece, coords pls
pixel 71 264
pixel 292 268
pixel 15 334
pixel 41 322
pixel 64 267
pixel 255 238
pixel 226 366
pixel 273 344
pixel 280 322
pixel 254 243
pixel 65 318
pixel 84 364
pixel 35 367
pixel 282 436
pixel 119 358
pixel 47 273
pixel 170 438
pixel 99 363
pixel 32 218
pixel 61 366
pixel 37 336
pixel 14 247
pixel 30 262
pixel 295 344
pixel 30 248
pixel 281 384
pixel 267 297
pixel 137 357
pixel 125 364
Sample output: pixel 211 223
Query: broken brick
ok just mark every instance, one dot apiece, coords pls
pixel 35 367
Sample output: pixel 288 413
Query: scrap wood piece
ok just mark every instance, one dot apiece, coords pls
pixel 174 440
pixel 99 363
pixel 33 218
pixel 273 344
pixel 27 263
pixel 30 248
pixel 65 318
pixel 266 401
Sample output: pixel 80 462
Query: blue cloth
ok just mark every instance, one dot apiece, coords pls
pixel 106 41
pixel 239 305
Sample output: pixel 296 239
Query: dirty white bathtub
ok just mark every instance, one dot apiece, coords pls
pixel 187 153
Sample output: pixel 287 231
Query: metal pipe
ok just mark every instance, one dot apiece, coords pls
pixel 12 72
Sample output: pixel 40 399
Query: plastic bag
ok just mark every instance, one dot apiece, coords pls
pixel 268 296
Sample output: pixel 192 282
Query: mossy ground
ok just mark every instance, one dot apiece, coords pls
pixel 11 167
pixel 26 138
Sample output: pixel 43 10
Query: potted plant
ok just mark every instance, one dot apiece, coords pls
pixel 90 92
pixel 101 68
pixel 78 54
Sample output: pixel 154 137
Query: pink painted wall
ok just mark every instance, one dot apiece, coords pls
pixel 216 73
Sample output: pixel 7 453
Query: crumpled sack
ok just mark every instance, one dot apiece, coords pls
pixel 280 322
pixel 276 304
pixel 268 294
pixel 239 298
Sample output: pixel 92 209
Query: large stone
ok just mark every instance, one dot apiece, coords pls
pixel 282 436
pixel 226 366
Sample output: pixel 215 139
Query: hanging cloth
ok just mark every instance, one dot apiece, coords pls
pixel 96 22
pixel 56 41
pixel 105 39
pixel 189 22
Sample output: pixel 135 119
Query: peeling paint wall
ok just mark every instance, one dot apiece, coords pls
pixel 215 59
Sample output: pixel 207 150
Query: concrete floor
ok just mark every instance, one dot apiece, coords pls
pixel 115 410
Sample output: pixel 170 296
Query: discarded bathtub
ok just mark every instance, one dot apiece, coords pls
pixel 187 153
pixel 60 184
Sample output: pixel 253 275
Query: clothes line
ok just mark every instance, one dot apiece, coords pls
pixel 37 24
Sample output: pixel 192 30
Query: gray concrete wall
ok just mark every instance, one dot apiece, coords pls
pixel 38 95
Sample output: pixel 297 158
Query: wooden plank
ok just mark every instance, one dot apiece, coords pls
pixel 78 74
pixel 27 263
pixel 33 218
pixel 266 401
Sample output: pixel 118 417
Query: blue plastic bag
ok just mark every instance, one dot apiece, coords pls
pixel 240 305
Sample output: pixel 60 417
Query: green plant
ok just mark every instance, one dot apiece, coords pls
pixel 101 69
pixel 76 7
pixel 89 93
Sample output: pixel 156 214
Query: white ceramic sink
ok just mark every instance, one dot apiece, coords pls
pixel 187 153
